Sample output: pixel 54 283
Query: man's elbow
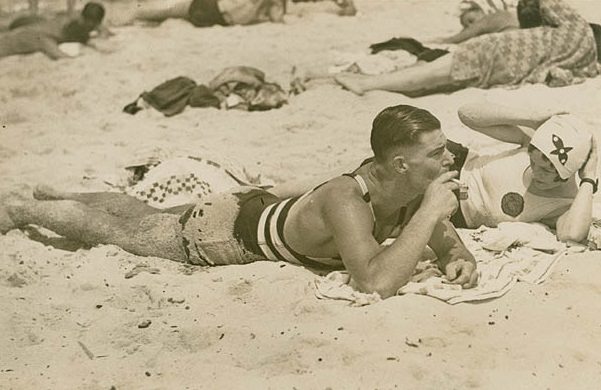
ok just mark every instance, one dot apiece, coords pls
pixel 384 289
pixel 468 114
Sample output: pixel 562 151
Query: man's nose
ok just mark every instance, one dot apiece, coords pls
pixel 449 158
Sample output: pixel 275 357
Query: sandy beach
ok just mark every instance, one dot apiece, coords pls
pixel 73 318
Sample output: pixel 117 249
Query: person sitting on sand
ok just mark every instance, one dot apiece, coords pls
pixel 405 191
pixel 535 182
pixel 30 36
pixel 558 51
pixel 206 13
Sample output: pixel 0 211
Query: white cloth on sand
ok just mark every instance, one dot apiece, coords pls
pixel 512 252
pixel 372 64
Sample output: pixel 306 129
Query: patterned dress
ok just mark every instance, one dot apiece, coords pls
pixel 556 53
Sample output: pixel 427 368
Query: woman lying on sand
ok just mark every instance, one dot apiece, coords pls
pixel 533 183
pixel 558 50
pixel 205 13
pixel 340 223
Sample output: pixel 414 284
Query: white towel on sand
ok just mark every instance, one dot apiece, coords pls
pixel 513 252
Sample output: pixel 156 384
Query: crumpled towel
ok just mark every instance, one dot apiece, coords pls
pixel 336 285
pixel 512 252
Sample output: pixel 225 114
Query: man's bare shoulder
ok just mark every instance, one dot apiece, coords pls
pixel 341 192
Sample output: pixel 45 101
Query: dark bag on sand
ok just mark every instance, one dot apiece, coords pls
pixel 170 97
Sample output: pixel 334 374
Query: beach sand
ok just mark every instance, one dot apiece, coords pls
pixel 72 320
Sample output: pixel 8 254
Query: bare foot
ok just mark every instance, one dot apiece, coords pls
pixel 45 192
pixel 352 82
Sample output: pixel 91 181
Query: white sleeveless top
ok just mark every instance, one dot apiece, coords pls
pixel 498 191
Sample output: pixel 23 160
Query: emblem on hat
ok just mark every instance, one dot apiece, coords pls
pixel 561 151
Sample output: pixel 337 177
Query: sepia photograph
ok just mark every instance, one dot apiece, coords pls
pixel 300 194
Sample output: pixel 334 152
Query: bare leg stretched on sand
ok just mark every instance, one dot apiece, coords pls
pixel 110 218
pixel 411 80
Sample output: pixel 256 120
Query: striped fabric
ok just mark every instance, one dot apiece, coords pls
pixel 270 233
pixel 270 236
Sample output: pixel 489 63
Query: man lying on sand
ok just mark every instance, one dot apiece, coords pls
pixel 32 34
pixel 535 182
pixel 405 191
pixel 92 14
pixel 558 51
pixel 206 13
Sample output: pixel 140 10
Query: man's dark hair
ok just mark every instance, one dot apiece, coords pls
pixel 93 12
pixel 529 14
pixel 75 31
pixel 399 125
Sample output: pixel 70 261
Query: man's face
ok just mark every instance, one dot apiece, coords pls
pixel 427 159
pixel 544 174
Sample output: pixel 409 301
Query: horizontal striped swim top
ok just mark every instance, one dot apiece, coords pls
pixel 270 232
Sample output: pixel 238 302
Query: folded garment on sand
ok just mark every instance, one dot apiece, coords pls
pixel 411 46
pixel 515 251
pixel 246 84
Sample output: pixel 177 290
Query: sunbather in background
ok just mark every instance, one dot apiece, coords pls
pixel 205 13
pixel 555 46
pixel 479 18
pixel 91 15
pixel 34 33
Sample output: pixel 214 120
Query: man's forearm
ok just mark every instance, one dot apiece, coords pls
pixel 448 246
pixel 397 262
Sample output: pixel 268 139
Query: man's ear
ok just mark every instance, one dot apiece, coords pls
pixel 399 164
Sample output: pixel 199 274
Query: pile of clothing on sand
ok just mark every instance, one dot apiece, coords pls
pixel 239 87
